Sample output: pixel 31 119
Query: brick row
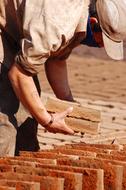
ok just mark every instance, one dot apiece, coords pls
pixel 69 167
pixel 81 119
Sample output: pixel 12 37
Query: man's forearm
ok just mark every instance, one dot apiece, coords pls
pixel 26 91
pixel 56 72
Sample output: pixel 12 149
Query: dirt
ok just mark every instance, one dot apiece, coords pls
pixel 93 75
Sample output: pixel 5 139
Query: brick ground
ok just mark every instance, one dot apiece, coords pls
pixel 104 171
pixel 98 160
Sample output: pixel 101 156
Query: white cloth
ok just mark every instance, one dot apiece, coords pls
pixel 43 27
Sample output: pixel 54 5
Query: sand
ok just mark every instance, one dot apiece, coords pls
pixel 92 75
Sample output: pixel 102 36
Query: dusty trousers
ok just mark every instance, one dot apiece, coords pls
pixel 11 135
pixel 8 107
pixel 14 138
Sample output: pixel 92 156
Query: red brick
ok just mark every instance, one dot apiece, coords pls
pixel 20 185
pixel 121 163
pixel 111 173
pixel 112 157
pixel 27 186
pixel 4 168
pixel 93 179
pixel 46 183
pixel 13 161
pixel 32 159
pixel 73 181
pixel 74 152
pixel 118 153
pixel 104 146
pixel 124 147
pixel 44 154
pixel 7 188
pixel 84 148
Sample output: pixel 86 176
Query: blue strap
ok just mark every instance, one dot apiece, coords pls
pixel 89 40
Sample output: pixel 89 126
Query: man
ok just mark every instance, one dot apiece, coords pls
pixel 39 32
pixel 32 34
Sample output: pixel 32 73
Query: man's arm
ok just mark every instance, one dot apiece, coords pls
pixel 56 72
pixel 26 91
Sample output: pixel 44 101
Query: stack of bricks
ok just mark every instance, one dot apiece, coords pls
pixel 69 167
pixel 81 119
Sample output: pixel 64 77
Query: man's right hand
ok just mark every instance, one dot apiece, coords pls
pixel 59 125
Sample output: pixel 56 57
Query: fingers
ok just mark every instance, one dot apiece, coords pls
pixel 66 112
pixel 64 130
pixel 69 130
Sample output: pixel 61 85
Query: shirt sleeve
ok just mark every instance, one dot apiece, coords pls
pixel 40 39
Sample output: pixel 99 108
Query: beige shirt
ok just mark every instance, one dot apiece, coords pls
pixel 44 28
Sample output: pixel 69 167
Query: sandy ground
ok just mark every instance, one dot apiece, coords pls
pixel 99 83
pixel 92 75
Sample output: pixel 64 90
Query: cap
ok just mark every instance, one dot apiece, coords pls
pixel 111 15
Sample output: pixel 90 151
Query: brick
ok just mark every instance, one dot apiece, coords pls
pixel 48 141
pixel 4 168
pixel 81 125
pixel 13 161
pixel 82 147
pixel 32 159
pixel 107 138
pixel 81 119
pixel 21 185
pixel 27 186
pixel 111 157
pixel 124 147
pixel 80 166
pixel 56 105
pixel 72 181
pixel 60 136
pixel 7 188
pixel 103 146
pixel 45 154
pixel 118 153
pixel 121 163
pixel 111 172
pixel 74 152
pixel 46 183
pixel 21 161
pixel 93 179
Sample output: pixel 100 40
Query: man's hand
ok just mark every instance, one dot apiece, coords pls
pixel 59 125
pixel 26 91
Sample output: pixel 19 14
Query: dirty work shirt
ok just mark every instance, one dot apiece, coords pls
pixel 41 28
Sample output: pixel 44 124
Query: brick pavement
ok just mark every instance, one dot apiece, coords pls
pixel 103 168
pixel 112 129
pixel 82 161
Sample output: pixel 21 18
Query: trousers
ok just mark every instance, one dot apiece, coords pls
pixel 14 138
pixel 7 136
pixel 9 105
